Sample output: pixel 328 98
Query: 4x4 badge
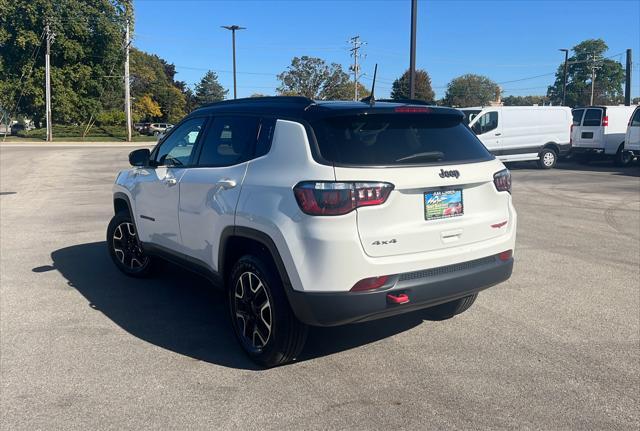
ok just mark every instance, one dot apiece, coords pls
pixel 449 174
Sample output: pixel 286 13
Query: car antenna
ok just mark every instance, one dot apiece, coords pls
pixel 371 100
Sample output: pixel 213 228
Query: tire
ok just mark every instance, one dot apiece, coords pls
pixel 124 248
pixel 623 158
pixel 449 309
pixel 262 319
pixel 548 158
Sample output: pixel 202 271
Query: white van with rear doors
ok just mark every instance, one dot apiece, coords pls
pixel 520 133
pixel 632 138
pixel 600 130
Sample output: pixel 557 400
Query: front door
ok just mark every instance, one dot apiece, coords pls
pixel 156 193
pixel 488 129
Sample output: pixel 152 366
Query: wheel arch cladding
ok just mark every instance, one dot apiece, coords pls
pixel 238 241
pixel 552 146
pixel 121 203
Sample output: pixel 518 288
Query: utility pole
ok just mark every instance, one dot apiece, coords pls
pixel 564 77
pixel 233 29
pixel 627 82
pixel 412 59
pixel 47 70
pixel 357 44
pixel 593 78
pixel 127 82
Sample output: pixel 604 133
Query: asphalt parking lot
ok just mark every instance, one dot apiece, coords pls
pixel 84 347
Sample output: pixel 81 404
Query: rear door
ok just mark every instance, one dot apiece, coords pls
pixel 210 191
pixel 443 193
pixel 591 133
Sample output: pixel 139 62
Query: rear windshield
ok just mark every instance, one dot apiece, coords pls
pixel 397 139
pixel 592 117
pixel 577 116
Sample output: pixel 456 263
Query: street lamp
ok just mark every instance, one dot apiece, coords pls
pixel 233 29
pixel 564 79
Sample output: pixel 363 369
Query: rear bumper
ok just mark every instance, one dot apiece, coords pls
pixel 424 288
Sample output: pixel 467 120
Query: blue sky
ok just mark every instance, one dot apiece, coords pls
pixel 504 40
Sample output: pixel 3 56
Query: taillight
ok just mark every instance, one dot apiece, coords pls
pixel 605 120
pixel 502 180
pixel 337 198
pixel 370 283
pixel 412 109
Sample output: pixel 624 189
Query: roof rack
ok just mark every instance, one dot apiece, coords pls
pixel 408 101
pixel 293 100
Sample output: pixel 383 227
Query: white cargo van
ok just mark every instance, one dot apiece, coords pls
pixel 518 133
pixel 632 138
pixel 600 130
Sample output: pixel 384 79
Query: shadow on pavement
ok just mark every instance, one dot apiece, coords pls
pixel 181 312
pixel 592 166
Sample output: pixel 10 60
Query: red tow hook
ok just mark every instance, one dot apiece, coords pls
pixel 400 298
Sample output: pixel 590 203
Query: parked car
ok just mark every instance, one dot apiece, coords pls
pixel 632 137
pixel 319 213
pixel 520 133
pixel 600 131
pixel 141 128
pixel 156 129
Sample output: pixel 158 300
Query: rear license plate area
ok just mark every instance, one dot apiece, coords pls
pixel 441 204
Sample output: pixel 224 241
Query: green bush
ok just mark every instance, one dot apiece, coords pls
pixel 62 131
pixel 111 118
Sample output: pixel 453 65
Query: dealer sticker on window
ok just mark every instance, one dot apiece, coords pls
pixel 443 204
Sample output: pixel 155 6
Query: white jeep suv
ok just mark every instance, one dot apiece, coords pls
pixel 319 213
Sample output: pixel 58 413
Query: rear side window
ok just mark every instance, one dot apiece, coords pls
pixel 397 139
pixel 636 119
pixel 230 140
pixel 577 116
pixel 592 117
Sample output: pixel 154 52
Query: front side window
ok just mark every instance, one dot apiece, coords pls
pixel 176 149
pixel 592 117
pixel 230 140
pixel 486 123
pixel 636 119
pixel 577 116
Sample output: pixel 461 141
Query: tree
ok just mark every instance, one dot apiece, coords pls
pixel 471 90
pixel 151 75
pixel 423 90
pixel 209 90
pixel 608 83
pixel 313 78
pixel 86 51
pixel 146 108
pixel 523 100
pixel 258 95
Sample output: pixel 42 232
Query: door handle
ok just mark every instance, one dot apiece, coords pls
pixel 498 134
pixel 226 183
pixel 170 181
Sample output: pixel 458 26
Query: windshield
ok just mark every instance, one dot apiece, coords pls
pixel 397 139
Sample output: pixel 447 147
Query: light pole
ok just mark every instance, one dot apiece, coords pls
pixel 233 29
pixel 412 55
pixel 564 78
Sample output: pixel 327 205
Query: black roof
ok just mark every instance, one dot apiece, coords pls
pixel 303 107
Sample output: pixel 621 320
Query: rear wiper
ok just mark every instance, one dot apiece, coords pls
pixel 430 155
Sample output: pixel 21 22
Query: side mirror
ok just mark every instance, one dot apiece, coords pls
pixel 476 128
pixel 139 157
